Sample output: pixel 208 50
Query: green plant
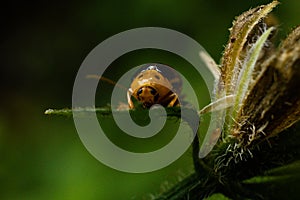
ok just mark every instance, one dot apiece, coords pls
pixel 257 153
pixel 257 156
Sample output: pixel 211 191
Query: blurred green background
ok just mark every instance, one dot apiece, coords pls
pixel 42 46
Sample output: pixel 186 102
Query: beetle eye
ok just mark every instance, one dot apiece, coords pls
pixel 153 91
pixel 139 91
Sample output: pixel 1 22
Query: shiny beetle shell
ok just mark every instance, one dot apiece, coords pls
pixel 157 84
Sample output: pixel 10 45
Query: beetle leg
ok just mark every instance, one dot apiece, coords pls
pixel 174 101
pixel 130 103
pixel 170 100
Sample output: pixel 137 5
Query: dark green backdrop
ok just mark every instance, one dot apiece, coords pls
pixel 42 46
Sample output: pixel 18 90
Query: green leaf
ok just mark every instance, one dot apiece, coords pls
pixel 278 183
pixel 245 76
pixel 217 196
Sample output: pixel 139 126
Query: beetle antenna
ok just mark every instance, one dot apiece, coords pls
pixel 107 80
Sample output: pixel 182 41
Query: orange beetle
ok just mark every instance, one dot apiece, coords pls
pixel 157 84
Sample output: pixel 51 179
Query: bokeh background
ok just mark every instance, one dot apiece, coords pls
pixel 42 46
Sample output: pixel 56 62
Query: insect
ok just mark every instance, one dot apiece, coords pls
pixel 157 84
pixel 152 84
